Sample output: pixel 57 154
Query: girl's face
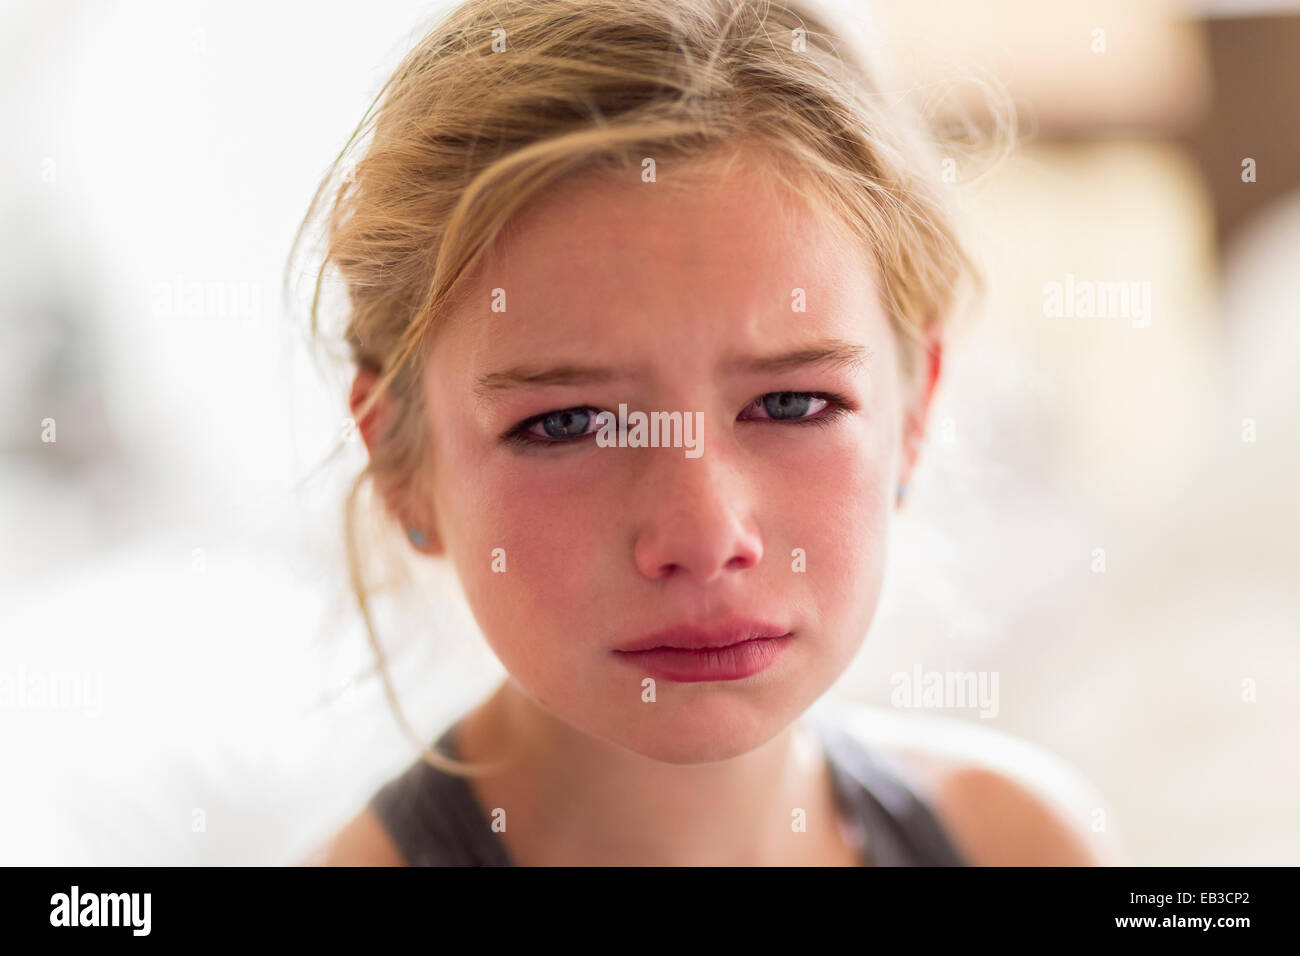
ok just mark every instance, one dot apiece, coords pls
pixel 701 301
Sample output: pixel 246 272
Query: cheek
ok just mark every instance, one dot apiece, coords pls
pixel 840 498
pixel 528 538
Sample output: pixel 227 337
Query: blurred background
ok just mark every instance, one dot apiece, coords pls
pixel 1104 517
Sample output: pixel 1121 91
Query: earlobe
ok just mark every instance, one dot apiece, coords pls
pixel 424 537
pixel 420 531
pixel 414 505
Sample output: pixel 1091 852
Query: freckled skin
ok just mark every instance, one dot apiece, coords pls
pixel 606 544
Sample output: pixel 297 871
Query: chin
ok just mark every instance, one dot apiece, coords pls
pixel 705 729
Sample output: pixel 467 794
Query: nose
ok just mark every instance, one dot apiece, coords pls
pixel 700 524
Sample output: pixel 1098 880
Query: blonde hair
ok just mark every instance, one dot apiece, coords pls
pixel 501 99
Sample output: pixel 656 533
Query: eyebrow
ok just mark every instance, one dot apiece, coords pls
pixel 829 353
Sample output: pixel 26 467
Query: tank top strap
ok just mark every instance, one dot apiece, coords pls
pixel 434 818
pixel 897 827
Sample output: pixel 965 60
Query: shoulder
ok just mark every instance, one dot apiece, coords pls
pixel 1003 800
pixel 362 841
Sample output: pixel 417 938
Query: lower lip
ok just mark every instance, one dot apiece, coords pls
pixel 734 662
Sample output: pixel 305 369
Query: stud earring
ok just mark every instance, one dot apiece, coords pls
pixel 901 495
pixel 416 536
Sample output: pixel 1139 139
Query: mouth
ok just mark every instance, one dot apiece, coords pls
pixel 717 635
pixel 728 662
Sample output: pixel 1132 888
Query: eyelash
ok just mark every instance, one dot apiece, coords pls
pixel 837 406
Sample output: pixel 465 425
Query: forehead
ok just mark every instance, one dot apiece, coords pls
pixel 628 270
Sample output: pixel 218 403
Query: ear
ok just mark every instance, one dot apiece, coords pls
pixel 918 398
pixel 380 415
pixel 409 510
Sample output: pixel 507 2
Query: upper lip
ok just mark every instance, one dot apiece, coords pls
pixel 718 633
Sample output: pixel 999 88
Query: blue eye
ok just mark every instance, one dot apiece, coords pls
pixel 560 426
pixel 787 406
pixel 570 425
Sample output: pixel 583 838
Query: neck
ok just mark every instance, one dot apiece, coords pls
pixel 574 799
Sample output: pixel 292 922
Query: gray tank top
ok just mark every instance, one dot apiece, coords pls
pixel 435 820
